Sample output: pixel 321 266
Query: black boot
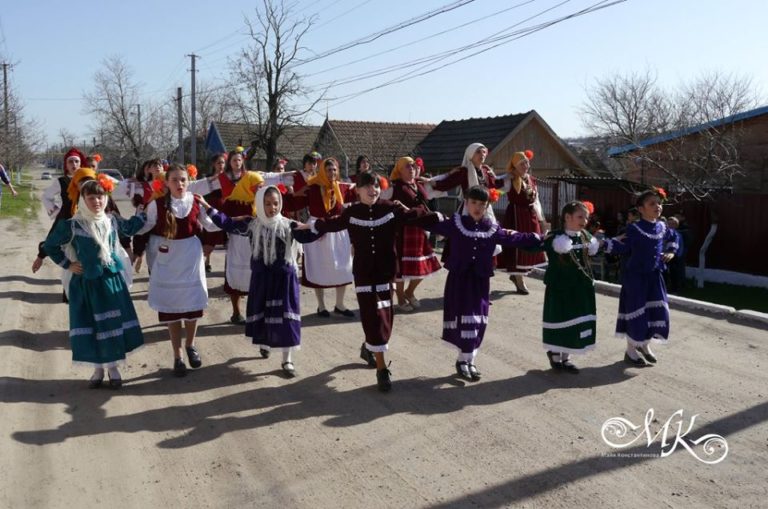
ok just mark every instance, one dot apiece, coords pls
pixel 382 378
pixel 367 356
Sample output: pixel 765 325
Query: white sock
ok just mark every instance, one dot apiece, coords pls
pixel 646 349
pixel 631 352
pixel 340 290
pixel 464 357
pixel 98 374
pixel 114 373
pixel 320 294
pixel 287 355
pixel 564 356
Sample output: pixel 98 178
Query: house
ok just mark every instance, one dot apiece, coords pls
pixel 740 138
pixel 443 149
pixel 294 143
pixel 382 142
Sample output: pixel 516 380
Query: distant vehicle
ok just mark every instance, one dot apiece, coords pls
pixel 115 174
pixel 46 175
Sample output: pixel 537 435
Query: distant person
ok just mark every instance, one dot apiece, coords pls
pixel 361 165
pixel 643 305
pixel 7 181
pixel 677 265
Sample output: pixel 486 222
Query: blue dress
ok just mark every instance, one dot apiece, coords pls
pixel 103 326
pixel 643 304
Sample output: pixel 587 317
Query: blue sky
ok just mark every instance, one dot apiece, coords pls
pixel 60 45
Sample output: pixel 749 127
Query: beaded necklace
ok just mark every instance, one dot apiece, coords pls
pixel 586 268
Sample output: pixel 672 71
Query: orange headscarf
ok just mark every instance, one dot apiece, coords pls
pixel 327 188
pixel 73 189
pixel 517 180
pixel 397 171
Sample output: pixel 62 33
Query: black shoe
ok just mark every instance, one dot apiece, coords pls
pixel 346 312
pixel 264 353
pixel 557 365
pixel 208 268
pixel 367 356
pixel 289 370
pixel 383 380
pixel 323 313
pixel 115 383
pixel 634 362
pixel 462 369
pixel 179 368
pixel 237 319
pixel 474 373
pixel 194 357
pixel 648 356
pixel 95 383
pixel 570 367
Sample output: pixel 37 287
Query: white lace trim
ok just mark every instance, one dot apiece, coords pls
pixel 654 236
pixel 469 333
pixel 474 319
pixel 117 332
pixel 254 318
pixel 641 311
pixel 274 303
pixel 569 323
pixel 418 258
pixel 108 314
pixel 372 288
pixel 373 223
pixel 451 325
pixel 383 304
pixel 471 234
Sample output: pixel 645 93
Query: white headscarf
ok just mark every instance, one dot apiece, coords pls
pixel 98 227
pixel 467 163
pixel 266 230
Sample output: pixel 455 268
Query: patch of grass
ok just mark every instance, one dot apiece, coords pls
pixel 22 206
pixel 739 297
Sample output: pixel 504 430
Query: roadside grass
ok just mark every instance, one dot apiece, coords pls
pixel 22 206
pixel 739 297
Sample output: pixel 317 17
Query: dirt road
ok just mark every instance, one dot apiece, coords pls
pixel 235 433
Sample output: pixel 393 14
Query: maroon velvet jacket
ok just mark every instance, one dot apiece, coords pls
pixel 458 177
pixel 372 232
pixel 185 228
pixel 409 196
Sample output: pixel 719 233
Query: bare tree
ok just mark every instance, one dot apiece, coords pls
pixel 213 105
pixel 67 137
pixel 113 104
pixel 267 91
pixel 626 109
pixel 21 135
pixel 714 95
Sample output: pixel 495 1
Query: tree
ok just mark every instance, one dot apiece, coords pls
pixel 20 135
pixel 114 105
pixel 267 92
pixel 700 157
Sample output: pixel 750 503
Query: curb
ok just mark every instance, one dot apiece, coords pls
pixel 683 303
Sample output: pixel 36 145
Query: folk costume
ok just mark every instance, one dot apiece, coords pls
pixel 273 314
pixel 415 256
pixel 643 305
pixel 569 319
pixel 466 298
pixel 177 284
pixel 103 326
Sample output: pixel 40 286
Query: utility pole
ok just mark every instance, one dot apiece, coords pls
pixel 180 150
pixel 5 98
pixel 138 109
pixel 193 126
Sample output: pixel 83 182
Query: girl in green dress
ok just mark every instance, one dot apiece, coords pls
pixel 569 300
pixel 103 326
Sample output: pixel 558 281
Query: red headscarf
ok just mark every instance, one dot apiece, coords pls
pixel 74 152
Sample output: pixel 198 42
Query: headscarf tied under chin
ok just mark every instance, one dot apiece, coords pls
pixel 265 231
pixel 73 189
pixel 99 228
pixel 328 189
pixel 397 172
pixel 244 191
pixel 467 163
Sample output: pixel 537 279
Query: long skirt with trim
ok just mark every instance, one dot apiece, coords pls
pixel 416 258
pixel 465 314
pixel 518 261
pixel 643 308
pixel 103 326
pixel 375 302
pixel 570 319
pixel 237 265
pixel 273 315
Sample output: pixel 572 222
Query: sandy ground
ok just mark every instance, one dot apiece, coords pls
pixel 235 433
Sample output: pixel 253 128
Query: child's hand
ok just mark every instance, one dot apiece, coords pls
pixel 667 257
pixel 204 203
pixel 37 264
pixel 300 226
pixel 401 205
pixel 620 237
pixel 76 268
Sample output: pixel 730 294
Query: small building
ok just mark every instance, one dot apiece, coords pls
pixel 741 139
pixel 443 149
pixel 382 142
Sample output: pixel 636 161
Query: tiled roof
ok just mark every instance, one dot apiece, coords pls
pixel 444 146
pixel 382 142
pixel 294 143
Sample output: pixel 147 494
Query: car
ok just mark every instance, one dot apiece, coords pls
pixel 46 176
pixel 115 174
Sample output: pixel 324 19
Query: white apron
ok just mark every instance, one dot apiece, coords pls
pixel 328 260
pixel 177 281
pixel 238 262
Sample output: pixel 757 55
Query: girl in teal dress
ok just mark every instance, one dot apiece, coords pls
pixel 103 326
